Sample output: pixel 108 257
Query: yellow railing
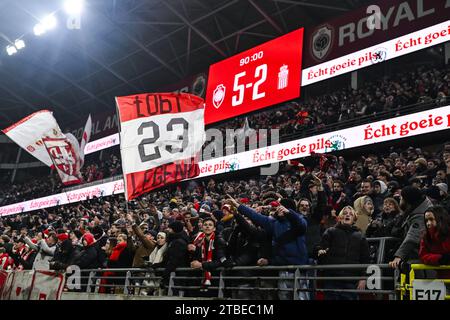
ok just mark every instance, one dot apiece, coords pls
pixel 407 284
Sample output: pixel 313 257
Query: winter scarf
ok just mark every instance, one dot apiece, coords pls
pixel 117 250
pixel 157 254
pixel 207 252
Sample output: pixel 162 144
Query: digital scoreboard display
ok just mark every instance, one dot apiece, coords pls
pixel 254 79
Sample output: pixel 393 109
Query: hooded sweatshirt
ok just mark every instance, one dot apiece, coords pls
pixel 413 228
pixel 88 259
pixel 44 253
pixel 364 217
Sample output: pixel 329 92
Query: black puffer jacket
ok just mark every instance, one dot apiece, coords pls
pixel 176 255
pixel 88 258
pixel 65 255
pixel 346 245
pixel 244 243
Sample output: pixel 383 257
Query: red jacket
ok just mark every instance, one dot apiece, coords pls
pixel 117 251
pixel 432 253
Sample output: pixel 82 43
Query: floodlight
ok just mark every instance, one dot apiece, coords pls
pixel 19 44
pixel 73 7
pixel 39 29
pixel 11 50
pixel 49 22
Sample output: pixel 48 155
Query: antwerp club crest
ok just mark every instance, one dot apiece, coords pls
pixel 321 42
pixel 218 95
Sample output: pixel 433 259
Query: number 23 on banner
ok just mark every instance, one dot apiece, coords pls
pixel 157 129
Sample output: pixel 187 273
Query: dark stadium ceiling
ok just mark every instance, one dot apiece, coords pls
pixel 129 46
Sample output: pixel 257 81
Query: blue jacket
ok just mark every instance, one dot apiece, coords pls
pixel 288 235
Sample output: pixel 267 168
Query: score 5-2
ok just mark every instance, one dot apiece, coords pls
pixel 254 79
pixel 260 77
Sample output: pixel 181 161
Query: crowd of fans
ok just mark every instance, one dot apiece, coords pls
pixel 320 211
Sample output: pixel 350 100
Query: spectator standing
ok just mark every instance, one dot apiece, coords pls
pixel 287 229
pixel 364 209
pixel 435 243
pixel 45 250
pixel 209 251
pixel 414 204
pixel 177 250
pixel 344 244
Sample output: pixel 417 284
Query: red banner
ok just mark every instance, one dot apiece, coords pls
pixel 3 276
pixel 161 135
pixel 145 181
pixel 254 79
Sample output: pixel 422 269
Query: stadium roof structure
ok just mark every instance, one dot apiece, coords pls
pixel 130 46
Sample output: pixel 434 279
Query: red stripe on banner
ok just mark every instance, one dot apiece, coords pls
pixel 145 181
pixel 3 276
pixel 60 287
pixel 23 120
pixel 152 104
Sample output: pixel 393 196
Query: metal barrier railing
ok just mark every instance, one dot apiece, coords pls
pixel 287 282
pixel 406 286
pixel 381 250
pixel 134 280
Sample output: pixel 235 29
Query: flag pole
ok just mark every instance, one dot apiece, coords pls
pixel 126 206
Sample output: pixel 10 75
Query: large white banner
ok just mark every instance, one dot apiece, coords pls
pixel 21 286
pixel 65 154
pixel 394 48
pixel 161 136
pixel 29 131
pixel 32 285
pixel 187 134
pixel 47 285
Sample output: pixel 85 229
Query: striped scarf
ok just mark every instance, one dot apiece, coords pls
pixel 207 252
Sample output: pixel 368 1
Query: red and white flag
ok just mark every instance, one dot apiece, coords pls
pixel 65 155
pixel 40 135
pixel 161 135
pixel 29 131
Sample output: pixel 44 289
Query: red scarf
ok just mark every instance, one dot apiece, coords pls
pixel 24 254
pixel 207 252
pixel 117 250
